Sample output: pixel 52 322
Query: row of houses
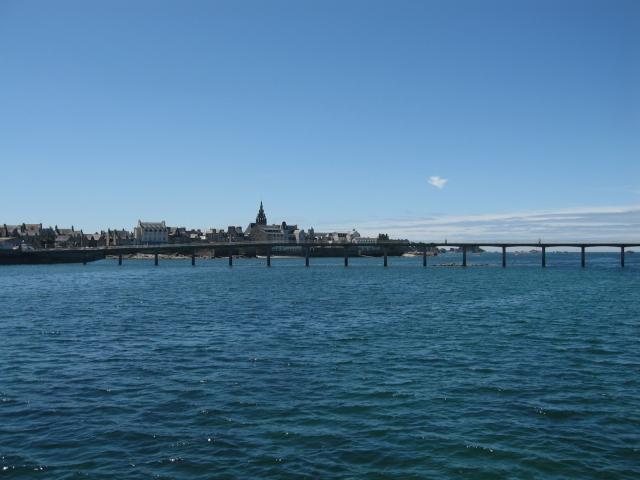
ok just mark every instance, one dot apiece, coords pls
pixel 155 233
pixel 39 236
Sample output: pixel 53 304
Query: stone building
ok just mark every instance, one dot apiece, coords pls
pixel 185 235
pixel 9 231
pixel 29 233
pixel 178 235
pixel 116 238
pixel 215 235
pixel 260 231
pixel 68 237
pixel 235 234
pixel 98 239
pixel 151 233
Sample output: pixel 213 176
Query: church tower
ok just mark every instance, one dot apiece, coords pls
pixel 261 219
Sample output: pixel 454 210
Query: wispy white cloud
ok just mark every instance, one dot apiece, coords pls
pixel 614 223
pixel 438 182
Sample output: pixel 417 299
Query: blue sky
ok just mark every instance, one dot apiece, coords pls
pixel 334 113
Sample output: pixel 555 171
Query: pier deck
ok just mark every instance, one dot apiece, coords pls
pixel 230 249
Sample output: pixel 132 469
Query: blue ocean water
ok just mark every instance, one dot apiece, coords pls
pixel 322 372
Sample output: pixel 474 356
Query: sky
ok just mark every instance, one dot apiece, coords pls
pixel 488 120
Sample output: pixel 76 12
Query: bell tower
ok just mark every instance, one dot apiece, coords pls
pixel 261 218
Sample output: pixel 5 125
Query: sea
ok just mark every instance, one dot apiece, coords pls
pixel 365 372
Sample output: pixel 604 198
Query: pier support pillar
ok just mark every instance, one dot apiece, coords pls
pixel 504 257
pixel 193 259
pixel 583 260
pixel 346 256
pixel 120 260
pixel 306 256
pixel 386 257
pixel 155 259
pixel 230 258
pixel 464 256
pixel 424 257
pixel 544 257
pixel 622 257
pixel 269 257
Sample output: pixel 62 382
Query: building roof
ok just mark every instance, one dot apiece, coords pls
pixel 120 233
pixel 153 226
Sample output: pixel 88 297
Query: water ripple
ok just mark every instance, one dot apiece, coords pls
pixel 180 372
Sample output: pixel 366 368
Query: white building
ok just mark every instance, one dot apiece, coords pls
pixel 338 237
pixel 151 232
pixel 364 240
pixel 300 236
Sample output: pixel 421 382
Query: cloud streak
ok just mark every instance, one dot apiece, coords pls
pixel 438 182
pixel 595 224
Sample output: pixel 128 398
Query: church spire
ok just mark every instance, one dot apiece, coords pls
pixel 261 219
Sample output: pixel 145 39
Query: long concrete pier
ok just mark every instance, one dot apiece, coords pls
pixel 266 248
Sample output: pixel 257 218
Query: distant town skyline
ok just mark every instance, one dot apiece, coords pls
pixel 571 225
pixel 424 120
